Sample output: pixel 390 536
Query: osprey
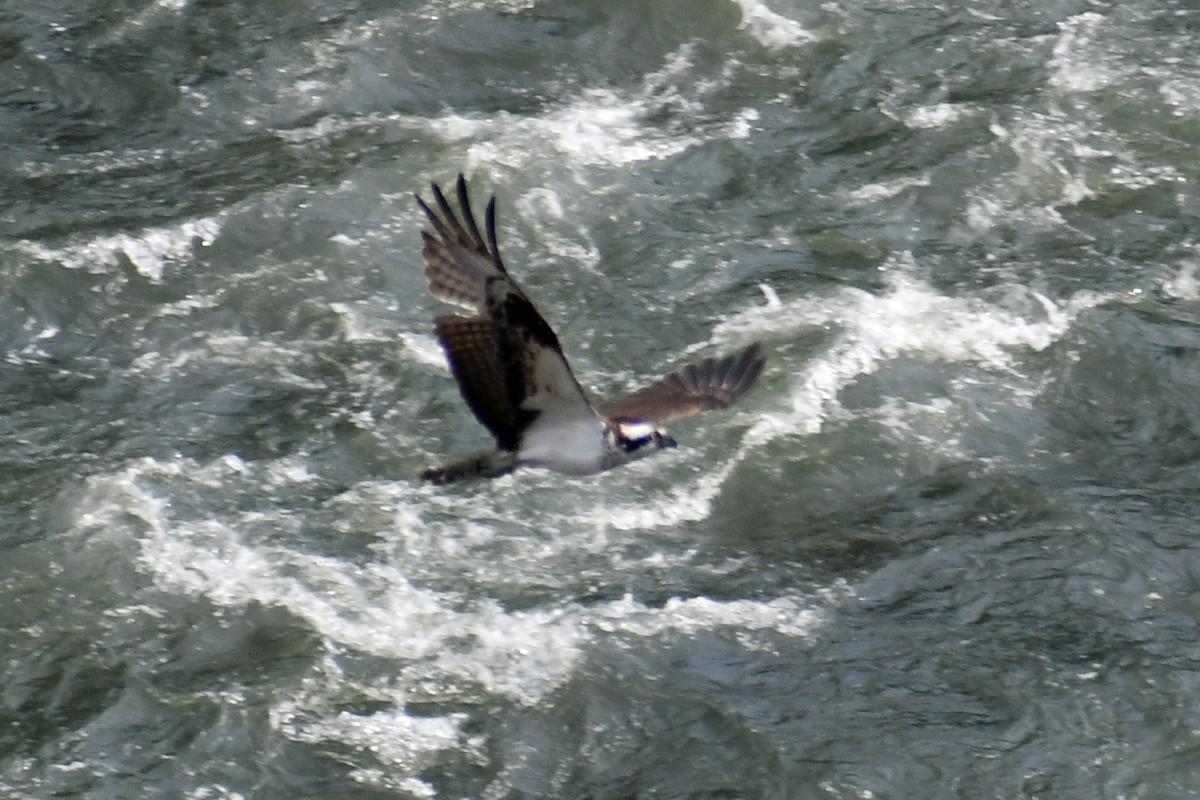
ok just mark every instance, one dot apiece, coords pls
pixel 513 374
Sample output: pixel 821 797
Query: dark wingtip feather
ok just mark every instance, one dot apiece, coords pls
pixel 746 369
pixel 459 227
pixel 490 222
pixel 464 202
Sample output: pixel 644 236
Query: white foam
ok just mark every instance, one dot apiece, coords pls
pixel 875 192
pixel 434 636
pixel 770 296
pixel 1076 64
pixel 688 501
pixel 441 642
pixel 149 250
pixel 1183 286
pixel 1053 153
pixel 240 354
pixel 399 740
pixel 598 128
pixel 789 616
pixel 770 28
pixel 33 349
pixel 742 123
pixel 603 127
pixel 1066 152
pixel 927 424
pixel 910 318
pixel 542 207
pixel 424 349
pixel 356 324
pixel 938 115
pixel 1184 95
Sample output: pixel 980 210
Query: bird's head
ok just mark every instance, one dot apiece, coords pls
pixel 639 439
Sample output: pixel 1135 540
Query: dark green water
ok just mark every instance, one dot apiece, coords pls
pixel 946 549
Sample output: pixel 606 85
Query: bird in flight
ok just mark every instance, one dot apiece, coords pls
pixel 513 374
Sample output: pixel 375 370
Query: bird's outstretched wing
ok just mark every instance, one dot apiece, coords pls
pixel 458 261
pixel 506 358
pixel 711 383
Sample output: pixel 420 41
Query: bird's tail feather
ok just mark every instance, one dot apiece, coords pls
pixel 488 464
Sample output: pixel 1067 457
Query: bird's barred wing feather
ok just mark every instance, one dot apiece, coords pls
pixel 473 348
pixel 506 358
pixel 458 261
pixel 711 383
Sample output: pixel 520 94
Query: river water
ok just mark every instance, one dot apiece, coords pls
pixel 945 549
